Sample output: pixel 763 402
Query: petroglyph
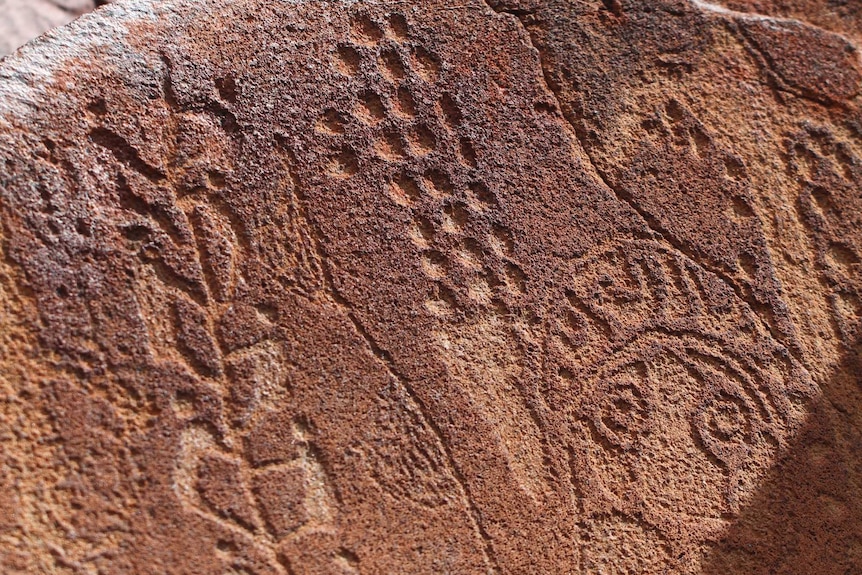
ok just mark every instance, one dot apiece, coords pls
pixel 827 170
pixel 678 398
pixel 492 288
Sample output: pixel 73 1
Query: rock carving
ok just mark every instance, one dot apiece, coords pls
pixel 378 287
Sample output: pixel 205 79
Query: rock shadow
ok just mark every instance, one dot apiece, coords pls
pixel 806 516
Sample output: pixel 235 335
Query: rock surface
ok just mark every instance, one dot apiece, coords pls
pixel 23 20
pixel 417 287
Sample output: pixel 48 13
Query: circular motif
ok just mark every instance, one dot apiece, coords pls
pixel 622 415
pixel 725 425
pixel 677 429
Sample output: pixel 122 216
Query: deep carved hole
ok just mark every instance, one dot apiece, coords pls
pixel 483 196
pixel 457 216
pixel 405 190
pixel 391 65
pixel 345 164
pixel 674 111
pixel 440 182
pixel 348 60
pixel 398 26
pixel 468 153
pixel 821 196
pixel 371 109
pixel 741 208
pixel 331 122
pixel 451 112
pixel 227 88
pixel 98 107
pixel 423 141
pixel 366 30
pixel 406 103
pixel 427 64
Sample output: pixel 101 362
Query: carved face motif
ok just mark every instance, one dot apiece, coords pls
pixel 676 431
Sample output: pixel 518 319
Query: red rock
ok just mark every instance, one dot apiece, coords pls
pixel 517 287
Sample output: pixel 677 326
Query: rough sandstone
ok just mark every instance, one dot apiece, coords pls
pixel 23 20
pixel 422 287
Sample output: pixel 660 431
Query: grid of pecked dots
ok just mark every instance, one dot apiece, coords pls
pixel 415 130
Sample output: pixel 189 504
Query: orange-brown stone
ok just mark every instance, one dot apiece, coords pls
pixel 421 287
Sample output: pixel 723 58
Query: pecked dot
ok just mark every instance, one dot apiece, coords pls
pixel 398 27
pixel 348 60
pixel 364 30
pixel 370 109
pixel 426 64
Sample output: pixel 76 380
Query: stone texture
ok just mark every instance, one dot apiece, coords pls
pixel 506 287
pixel 23 20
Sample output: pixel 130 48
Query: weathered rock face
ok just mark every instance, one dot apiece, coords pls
pixel 23 20
pixel 516 287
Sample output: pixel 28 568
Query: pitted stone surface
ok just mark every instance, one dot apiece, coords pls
pixel 23 20
pixel 361 287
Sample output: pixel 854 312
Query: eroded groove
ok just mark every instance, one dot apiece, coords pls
pixel 125 153
pixel 774 79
